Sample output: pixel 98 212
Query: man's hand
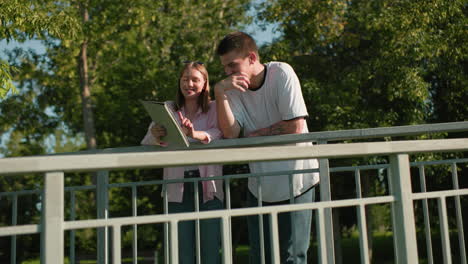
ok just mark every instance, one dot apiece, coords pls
pixel 236 81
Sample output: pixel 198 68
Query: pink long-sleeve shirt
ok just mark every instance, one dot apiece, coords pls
pixel 206 122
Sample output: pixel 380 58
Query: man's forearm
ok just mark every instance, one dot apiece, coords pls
pixel 226 121
pixel 294 126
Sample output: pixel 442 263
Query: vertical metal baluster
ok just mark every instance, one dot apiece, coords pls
pixel 197 221
pixel 174 242
pixel 14 221
pixel 72 232
pixel 117 247
pixel 135 228
pixel 260 220
pixel 226 240
pixel 362 221
pixel 228 232
pixel 227 187
pixel 444 230
pixel 321 232
pixel 275 249
pixel 167 258
pixel 427 222
pixel 461 232
pixel 42 246
pixel 291 215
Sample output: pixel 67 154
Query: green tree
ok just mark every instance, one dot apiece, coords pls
pixel 22 20
pixel 374 63
pixel 134 50
pixel 363 53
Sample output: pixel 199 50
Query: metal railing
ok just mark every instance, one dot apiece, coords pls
pixel 401 196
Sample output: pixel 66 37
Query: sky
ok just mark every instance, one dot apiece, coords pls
pixel 34 44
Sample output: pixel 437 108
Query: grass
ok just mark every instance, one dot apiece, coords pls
pixel 383 251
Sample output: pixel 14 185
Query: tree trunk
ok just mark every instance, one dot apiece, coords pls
pixel 88 118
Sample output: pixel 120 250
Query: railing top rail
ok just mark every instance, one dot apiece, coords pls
pixel 326 136
pixel 93 162
pixel 350 134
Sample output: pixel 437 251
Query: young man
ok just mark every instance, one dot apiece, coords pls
pixel 260 100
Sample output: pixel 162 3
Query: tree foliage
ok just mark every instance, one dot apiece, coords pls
pixel 21 20
pixel 135 51
pixel 381 63
pixel 373 64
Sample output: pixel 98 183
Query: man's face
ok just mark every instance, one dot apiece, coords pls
pixel 235 61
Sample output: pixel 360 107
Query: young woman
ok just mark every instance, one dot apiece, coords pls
pixel 197 116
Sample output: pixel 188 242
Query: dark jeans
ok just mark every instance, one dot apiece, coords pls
pixel 210 229
pixel 294 231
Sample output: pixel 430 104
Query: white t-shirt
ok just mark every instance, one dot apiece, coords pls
pixel 279 98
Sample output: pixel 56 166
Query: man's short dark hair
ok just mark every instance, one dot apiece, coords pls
pixel 238 41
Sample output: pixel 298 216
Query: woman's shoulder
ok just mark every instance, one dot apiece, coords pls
pixel 212 107
pixel 171 104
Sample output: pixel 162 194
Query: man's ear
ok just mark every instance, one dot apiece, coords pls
pixel 252 57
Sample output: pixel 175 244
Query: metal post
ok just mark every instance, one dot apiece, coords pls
pixel 102 182
pixel 404 230
pixel 325 195
pixel 52 223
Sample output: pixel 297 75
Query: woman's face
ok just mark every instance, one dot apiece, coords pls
pixel 192 83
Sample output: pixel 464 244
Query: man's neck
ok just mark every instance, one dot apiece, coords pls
pixel 257 77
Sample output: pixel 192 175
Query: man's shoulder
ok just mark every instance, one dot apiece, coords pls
pixel 278 64
pixel 279 67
